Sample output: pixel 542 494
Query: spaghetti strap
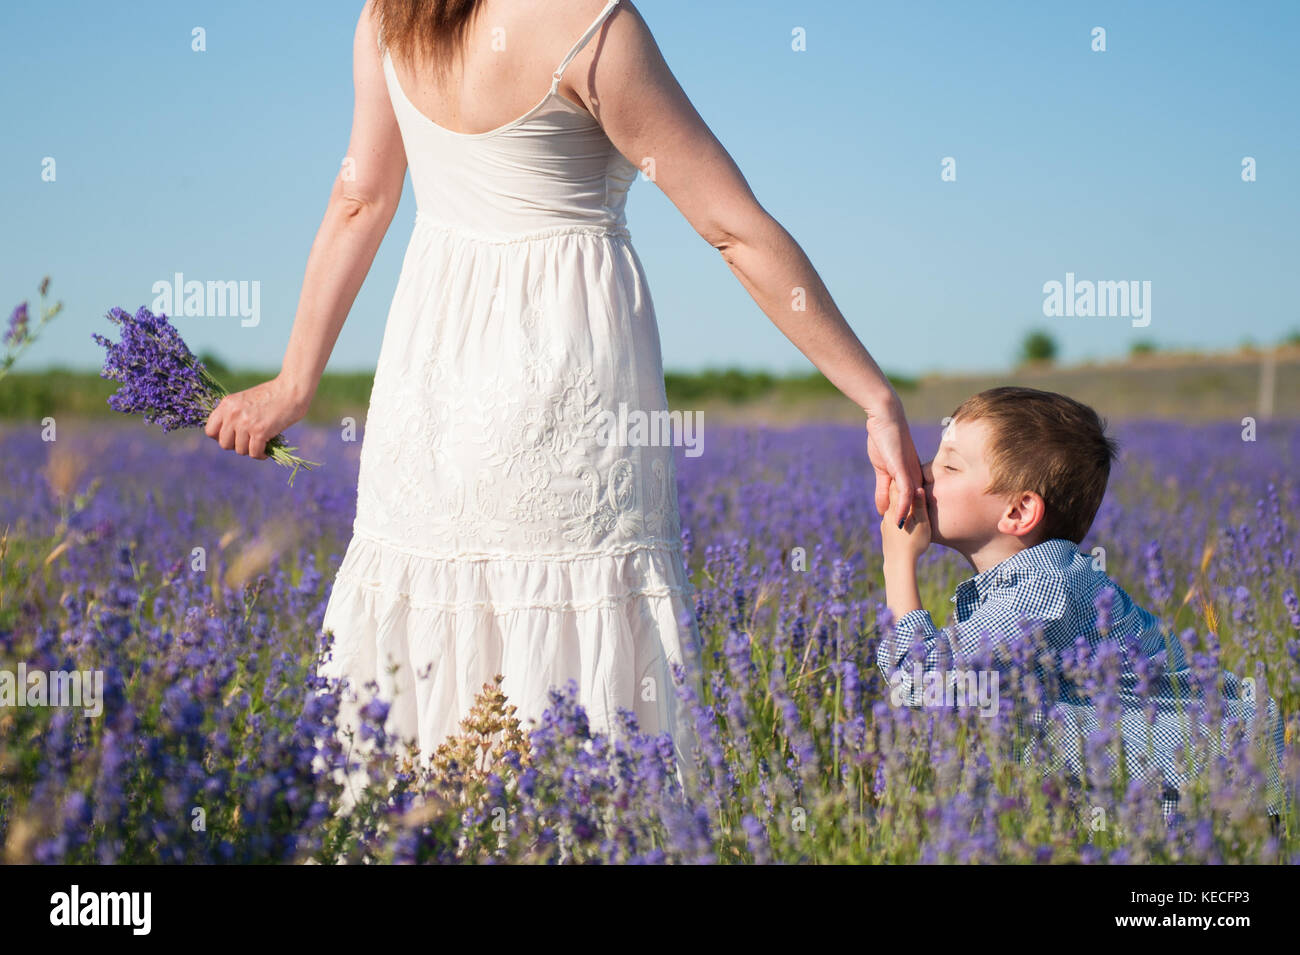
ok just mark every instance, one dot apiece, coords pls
pixel 582 41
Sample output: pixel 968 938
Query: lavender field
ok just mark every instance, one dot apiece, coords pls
pixel 215 740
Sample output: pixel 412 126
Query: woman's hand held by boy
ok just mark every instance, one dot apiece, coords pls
pixel 892 454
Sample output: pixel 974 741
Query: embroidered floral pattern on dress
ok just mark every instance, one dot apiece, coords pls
pixel 608 506
pixel 471 515
pixel 415 418
pixel 538 366
pixel 532 424
pixel 662 518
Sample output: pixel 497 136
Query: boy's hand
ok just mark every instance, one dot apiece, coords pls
pixel 904 546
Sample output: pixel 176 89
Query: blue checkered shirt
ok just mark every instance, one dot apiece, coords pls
pixel 1056 584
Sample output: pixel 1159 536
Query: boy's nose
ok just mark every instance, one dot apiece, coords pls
pixel 927 473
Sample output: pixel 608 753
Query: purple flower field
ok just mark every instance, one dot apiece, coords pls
pixel 196 580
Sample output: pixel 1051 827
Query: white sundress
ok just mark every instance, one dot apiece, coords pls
pixel 495 530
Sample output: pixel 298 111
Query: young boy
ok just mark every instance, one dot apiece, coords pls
pixel 1014 487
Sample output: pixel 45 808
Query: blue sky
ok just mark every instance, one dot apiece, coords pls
pixel 1123 165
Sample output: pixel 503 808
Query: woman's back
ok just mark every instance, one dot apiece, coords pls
pixel 508 52
pixel 550 167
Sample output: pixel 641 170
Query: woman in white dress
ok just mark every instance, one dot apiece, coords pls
pixel 499 529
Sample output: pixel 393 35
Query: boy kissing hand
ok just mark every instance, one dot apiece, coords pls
pixel 902 546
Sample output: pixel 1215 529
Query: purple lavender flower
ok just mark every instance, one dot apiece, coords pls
pixel 1292 604
pixel 21 332
pixel 1104 603
pixel 17 325
pixel 1158 581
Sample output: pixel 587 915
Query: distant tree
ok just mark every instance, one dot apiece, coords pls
pixel 214 364
pixel 1038 346
pixel 1293 338
pixel 1143 346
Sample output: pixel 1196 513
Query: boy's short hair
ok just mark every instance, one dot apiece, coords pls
pixel 1048 443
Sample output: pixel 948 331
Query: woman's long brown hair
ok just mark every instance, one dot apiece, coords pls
pixel 426 31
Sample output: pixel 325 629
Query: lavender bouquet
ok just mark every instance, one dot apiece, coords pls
pixel 163 380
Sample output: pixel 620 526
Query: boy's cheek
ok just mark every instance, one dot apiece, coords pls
pixel 932 514
pixel 936 522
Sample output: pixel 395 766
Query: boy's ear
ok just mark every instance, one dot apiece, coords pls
pixel 1024 514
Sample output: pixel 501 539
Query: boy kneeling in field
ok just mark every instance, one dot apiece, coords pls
pixel 1014 487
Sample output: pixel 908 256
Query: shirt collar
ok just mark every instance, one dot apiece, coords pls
pixel 1054 554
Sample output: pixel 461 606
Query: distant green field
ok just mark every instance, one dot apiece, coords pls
pixel 1190 387
pixel 1161 386
pixel 33 395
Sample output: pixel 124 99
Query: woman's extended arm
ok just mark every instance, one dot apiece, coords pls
pixel 361 205
pixel 631 91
